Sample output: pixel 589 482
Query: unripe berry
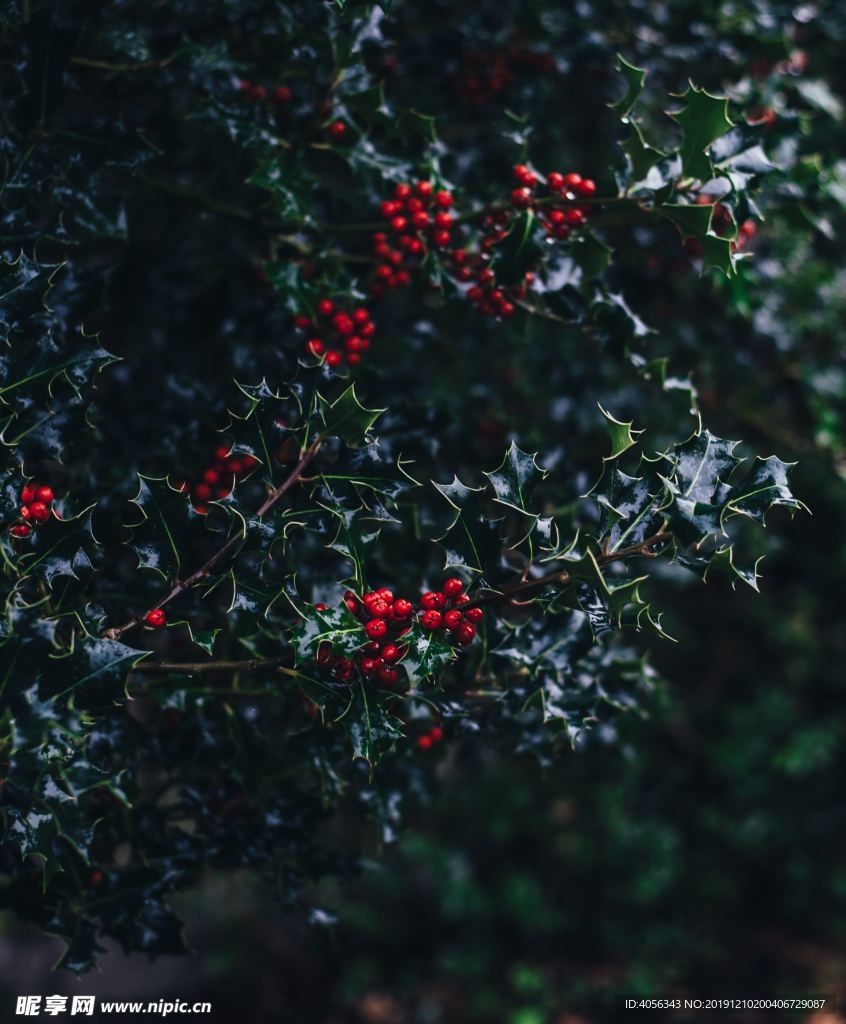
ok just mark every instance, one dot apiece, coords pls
pixel 376 629
pixel 432 599
pixel 155 618
pixel 431 620
pixel 453 586
pixel 402 608
pixel 40 512
pixel 44 494
pixel 474 614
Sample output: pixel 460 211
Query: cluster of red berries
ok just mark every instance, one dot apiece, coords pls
pixel 558 220
pixel 36 505
pixel 419 217
pixel 281 95
pixel 428 739
pixel 218 479
pixel 337 337
pixel 387 619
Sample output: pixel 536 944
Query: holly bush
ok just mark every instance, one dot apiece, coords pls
pixel 361 370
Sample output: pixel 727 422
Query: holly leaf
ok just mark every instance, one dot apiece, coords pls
pixel 371 728
pixel 472 539
pixel 634 78
pixel 336 627
pixel 169 522
pixel 703 119
pixel 347 418
pixel 428 653
pixel 623 435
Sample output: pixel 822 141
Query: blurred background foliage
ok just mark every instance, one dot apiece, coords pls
pixel 699 848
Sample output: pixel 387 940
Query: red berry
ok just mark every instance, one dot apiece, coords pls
pixel 414 205
pixel 521 197
pixel 431 620
pixel 155 618
pixel 459 257
pixel 424 188
pixel 389 209
pixel 235 466
pixel 386 594
pixel 452 619
pixel 463 599
pixel 485 276
pixel 474 614
pixel 326 307
pixel 211 476
pixel 572 180
pixel 20 530
pixel 465 633
pixel 419 219
pixel 402 608
pixel 368 666
pixel 424 742
pixel 390 653
pixel 352 604
pixel 315 346
pixel 378 609
pixel 399 224
pixel 443 220
pixel 443 199
pixel 453 586
pixel 302 323
pixel 387 676
pixel 506 309
pixel 575 216
pixel 45 494
pixel 474 293
pixel 360 316
pixel 39 511
pixel 368 330
pixel 202 491
pixel 337 129
pixel 376 629
pixel 96 877
pixel 282 94
pixel 441 239
pixel 436 734
pixel 221 452
pixel 402 191
pixel 25 512
pixel 28 494
pixel 586 187
pixel 321 607
pixel 324 654
pixel 555 181
pixel 432 599
pixel 334 358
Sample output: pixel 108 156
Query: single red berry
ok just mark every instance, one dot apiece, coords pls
pixel 390 653
pixel 443 220
pixel 389 209
pixel 326 307
pixel 586 187
pixel 575 216
pixel 202 491
pixel 402 191
pixel 360 316
pixel 40 512
pixel 521 197
pixel 506 309
pixel 403 279
pixel 368 330
pixel 302 323
pixel 155 618
pixel 221 452
pixel 485 276
pixel 555 181
pixel 452 619
pixel 572 180
pixel 424 188
pixel 387 676
pixel 474 294
pixel 376 629
pixel 431 620
pixel 282 95
pixel 324 654
pixel 25 512
pixel 441 239
pixel 424 742
pixel 211 476
pixel 368 666
pixel 96 877
pixel 415 247
pixel 378 609
pixel 420 219
pixel 453 586
pixel 432 599
pixel 399 224
pixel 443 199
pixel 386 594
pixel 315 346
pixel 28 494
pixel 414 205
pixel 458 257
pixel 334 358
pixel 402 608
pixel 352 604
pixel 372 649
pixel 20 530
pixel 321 607
pixel 344 669
pixel 45 494
pixel 337 129
pixel 235 466
pixel 520 171
pixel 474 614
pixel 465 633
pixel 436 734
